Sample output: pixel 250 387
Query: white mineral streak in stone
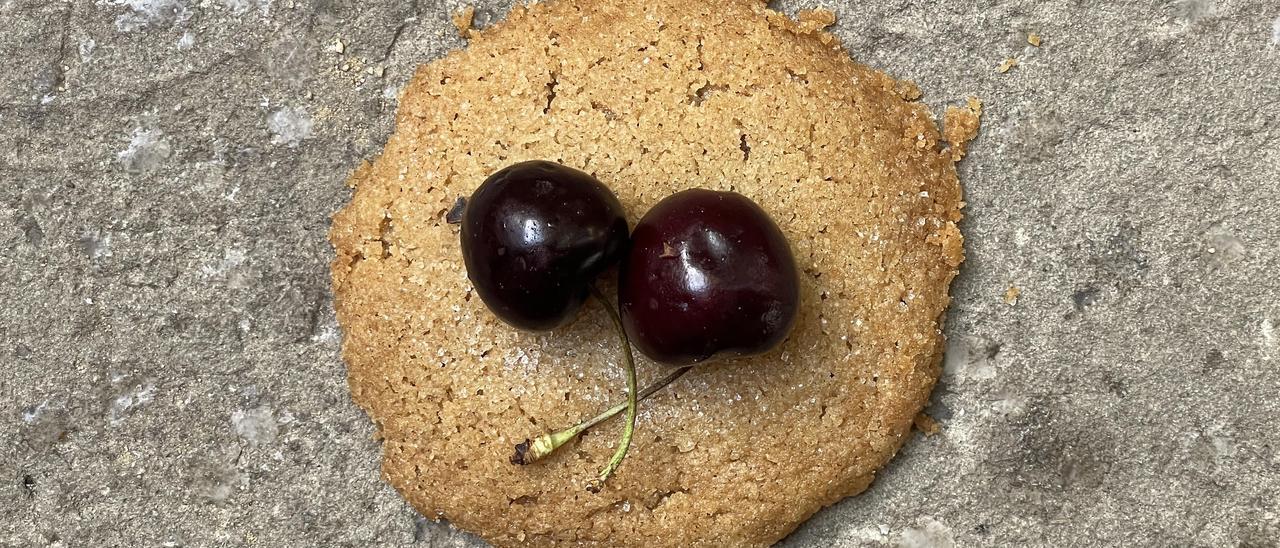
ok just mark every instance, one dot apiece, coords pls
pixel 147 149
pixel 138 396
pixel 149 13
pixel 289 126
pixel 328 333
pixel 87 47
pixel 256 426
pixel 240 7
pixel 231 259
pixel 32 414
pixel 929 534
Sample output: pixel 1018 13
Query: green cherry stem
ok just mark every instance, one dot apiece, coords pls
pixel 629 364
pixel 533 450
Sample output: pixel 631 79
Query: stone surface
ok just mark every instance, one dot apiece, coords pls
pixel 167 169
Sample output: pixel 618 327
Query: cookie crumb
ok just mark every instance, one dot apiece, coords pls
pixel 1008 64
pixel 463 19
pixel 975 105
pixel 927 425
pixel 1011 295
pixel 1033 39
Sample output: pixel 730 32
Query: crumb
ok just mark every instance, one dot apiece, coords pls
pixel 926 424
pixel 974 105
pixel 1007 64
pixel 1011 295
pixel 1033 39
pixel 463 19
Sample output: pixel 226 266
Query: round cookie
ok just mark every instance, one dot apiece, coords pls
pixel 652 97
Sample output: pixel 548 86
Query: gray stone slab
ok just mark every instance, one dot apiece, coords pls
pixel 169 372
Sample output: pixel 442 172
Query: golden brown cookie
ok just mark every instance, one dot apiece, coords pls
pixel 652 96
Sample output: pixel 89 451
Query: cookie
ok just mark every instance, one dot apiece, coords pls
pixel 652 97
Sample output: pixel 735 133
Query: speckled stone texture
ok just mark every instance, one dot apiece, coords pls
pixel 170 372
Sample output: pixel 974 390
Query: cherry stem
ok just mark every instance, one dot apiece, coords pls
pixel 629 365
pixel 533 450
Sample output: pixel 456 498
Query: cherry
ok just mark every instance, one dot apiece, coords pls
pixel 535 235
pixel 708 275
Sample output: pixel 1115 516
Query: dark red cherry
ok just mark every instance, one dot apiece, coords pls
pixel 534 237
pixel 708 274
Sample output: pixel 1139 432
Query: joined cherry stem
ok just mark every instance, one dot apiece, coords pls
pixel 533 450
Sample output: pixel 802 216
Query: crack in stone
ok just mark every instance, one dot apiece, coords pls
pixel 395 36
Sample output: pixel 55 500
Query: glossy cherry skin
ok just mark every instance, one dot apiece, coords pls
pixel 535 235
pixel 708 275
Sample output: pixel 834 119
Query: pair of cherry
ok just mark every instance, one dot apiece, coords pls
pixel 705 274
